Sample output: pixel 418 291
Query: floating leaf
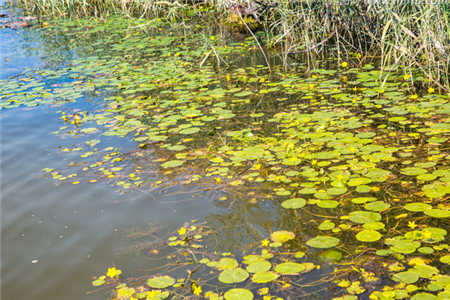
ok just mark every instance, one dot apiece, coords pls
pixel 362 217
pixel 161 282
pixel 190 130
pixel 289 268
pixel 408 277
pixel 265 277
pixel 377 206
pixel 294 203
pixel 233 276
pixel 437 213
pixel 227 263
pixel 368 236
pixel 172 164
pixel 323 242
pixel 424 296
pixel 282 236
pixel 417 207
pixel 259 266
pixel 238 294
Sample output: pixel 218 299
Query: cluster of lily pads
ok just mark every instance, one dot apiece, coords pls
pixel 350 159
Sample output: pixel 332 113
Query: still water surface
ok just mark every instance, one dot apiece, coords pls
pixel 54 239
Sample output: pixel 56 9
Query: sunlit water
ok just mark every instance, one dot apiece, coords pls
pixel 55 239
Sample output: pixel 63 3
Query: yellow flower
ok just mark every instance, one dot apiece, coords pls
pixel 426 234
pixel 314 161
pixel 406 76
pixel 430 90
pixel 182 231
pixel 358 55
pixel 197 290
pixel 265 243
pixel 311 86
pixel 344 64
pixel 262 80
pixel 218 180
pixel 412 224
pixel 212 38
pixel 113 272
pixel 414 96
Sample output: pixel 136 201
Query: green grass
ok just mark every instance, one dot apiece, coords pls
pixel 404 35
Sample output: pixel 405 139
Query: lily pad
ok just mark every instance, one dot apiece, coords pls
pixel 233 276
pixel 259 266
pixel 417 207
pixel 437 213
pixel 282 236
pixel 161 282
pixel 362 217
pixel 289 268
pixel 238 294
pixel 424 296
pixel 368 236
pixel 407 277
pixel 323 242
pixel 294 203
pixel 172 164
pixel 265 277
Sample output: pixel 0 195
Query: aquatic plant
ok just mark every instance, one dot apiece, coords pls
pixel 348 170
pixel 405 35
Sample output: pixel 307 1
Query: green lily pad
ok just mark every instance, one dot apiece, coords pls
pixel 289 268
pixel 227 263
pixel 417 207
pixel 294 203
pixel 327 204
pixel 238 294
pixel 259 266
pixel 190 130
pixel 323 242
pixel 359 181
pixel 368 236
pixel 161 282
pixel 424 296
pixel 362 217
pixel 412 171
pixel 437 213
pixel 377 206
pixel 445 259
pixel 265 277
pixel 408 277
pixel 282 236
pixel 172 164
pixel 233 276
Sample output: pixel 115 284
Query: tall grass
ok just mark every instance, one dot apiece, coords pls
pixel 406 34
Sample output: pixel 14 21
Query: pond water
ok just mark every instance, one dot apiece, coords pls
pixel 170 153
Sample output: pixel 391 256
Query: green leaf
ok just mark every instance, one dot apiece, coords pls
pixel 238 294
pixel 259 266
pixel 294 203
pixel 289 268
pixel 417 207
pixel 408 277
pixel 362 217
pixel 233 276
pixel 323 242
pixel 161 282
pixel 437 213
pixel 190 130
pixel 368 236
pixel 172 164
pixel 424 296
pixel 282 236
pixel 265 277
pixel 227 263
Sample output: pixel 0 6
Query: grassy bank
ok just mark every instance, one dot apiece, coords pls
pixel 405 35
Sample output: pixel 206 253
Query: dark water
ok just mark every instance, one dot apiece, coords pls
pixel 54 239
